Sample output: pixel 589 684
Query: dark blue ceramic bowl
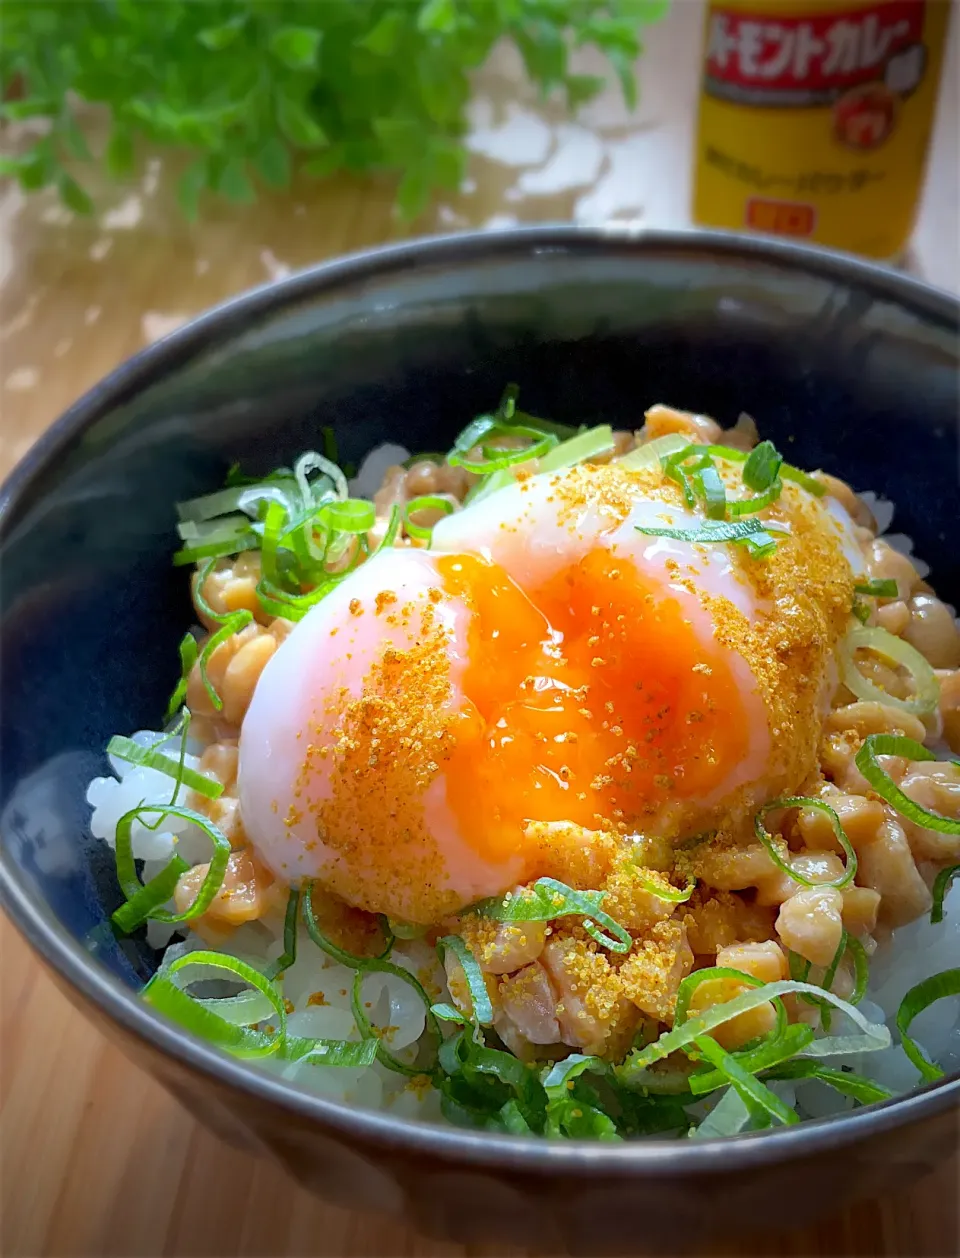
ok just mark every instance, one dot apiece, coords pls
pixel 845 365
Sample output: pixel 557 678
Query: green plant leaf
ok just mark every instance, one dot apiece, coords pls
pixel 192 182
pixel 296 46
pixel 438 16
pixel 234 182
pixel 216 38
pixel 119 151
pixel 273 163
pixel 31 107
pixel 73 139
pixel 73 195
pixel 298 126
pixel 383 38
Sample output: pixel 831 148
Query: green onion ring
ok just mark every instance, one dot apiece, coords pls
pixel 496 458
pixel 875 745
pixel 169 998
pixel 926 695
pixel 713 973
pixel 131 885
pixel 940 886
pixel 738 507
pixel 328 946
pixel 352 515
pixel 801 801
pixel 366 1028
pixel 476 983
pixel 290 920
pixel 229 626
pixel 311 461
pixel 424 502
pixel 918 998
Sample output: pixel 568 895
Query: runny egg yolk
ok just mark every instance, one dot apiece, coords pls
pixel 593 700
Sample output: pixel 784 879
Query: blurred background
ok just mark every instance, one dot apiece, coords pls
pixel 138 213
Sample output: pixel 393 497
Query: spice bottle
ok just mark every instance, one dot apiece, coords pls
pixel 816 118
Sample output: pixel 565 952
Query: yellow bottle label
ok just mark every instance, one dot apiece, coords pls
pixel 815 118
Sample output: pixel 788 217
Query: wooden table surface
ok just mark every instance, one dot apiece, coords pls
pixel 96 1158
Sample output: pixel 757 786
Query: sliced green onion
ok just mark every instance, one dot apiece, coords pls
pixel 762 468
pixel 727 1118
pixel 795 1038
pixel 494 458
pixel 875 745
pixel 713 491
pixel 327 945
pixel 148 758
pixel 311 461
pixel 926 696
pixel 861 969
pixel 229 626
pixel 547 899
pixel 425 502
pixel 476 983
pixel 861 611
pixel 864 1090
pixel 879 587
pixel 393 529
pixel 366 1027
pixel 751 533
pixel 802 801
pixel 290 921
pixel 513 1120
pixel 447 1013
pixel 216 549
pixel 594 443
pixel 406 930
pixel 662 889
pixel 750 506
pixel 353 515
pixel 787 470
pixel 209 506
pixel 344 1054
pixel 752 1091
pixel 143 904
pixel 653 453
pixel 170 999
pixel 274 521
pixel 476 1082
pixel 568 1115
pixel 936 987
pixel 188 657
pixel 940 887
pixel 131 885
pixel 224 528
pixel 874 1036
pixel 708 975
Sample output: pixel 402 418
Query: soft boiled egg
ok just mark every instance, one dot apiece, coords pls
pixel 543 686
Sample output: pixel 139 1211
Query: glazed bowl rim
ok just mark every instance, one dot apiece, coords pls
pixel 650 1157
